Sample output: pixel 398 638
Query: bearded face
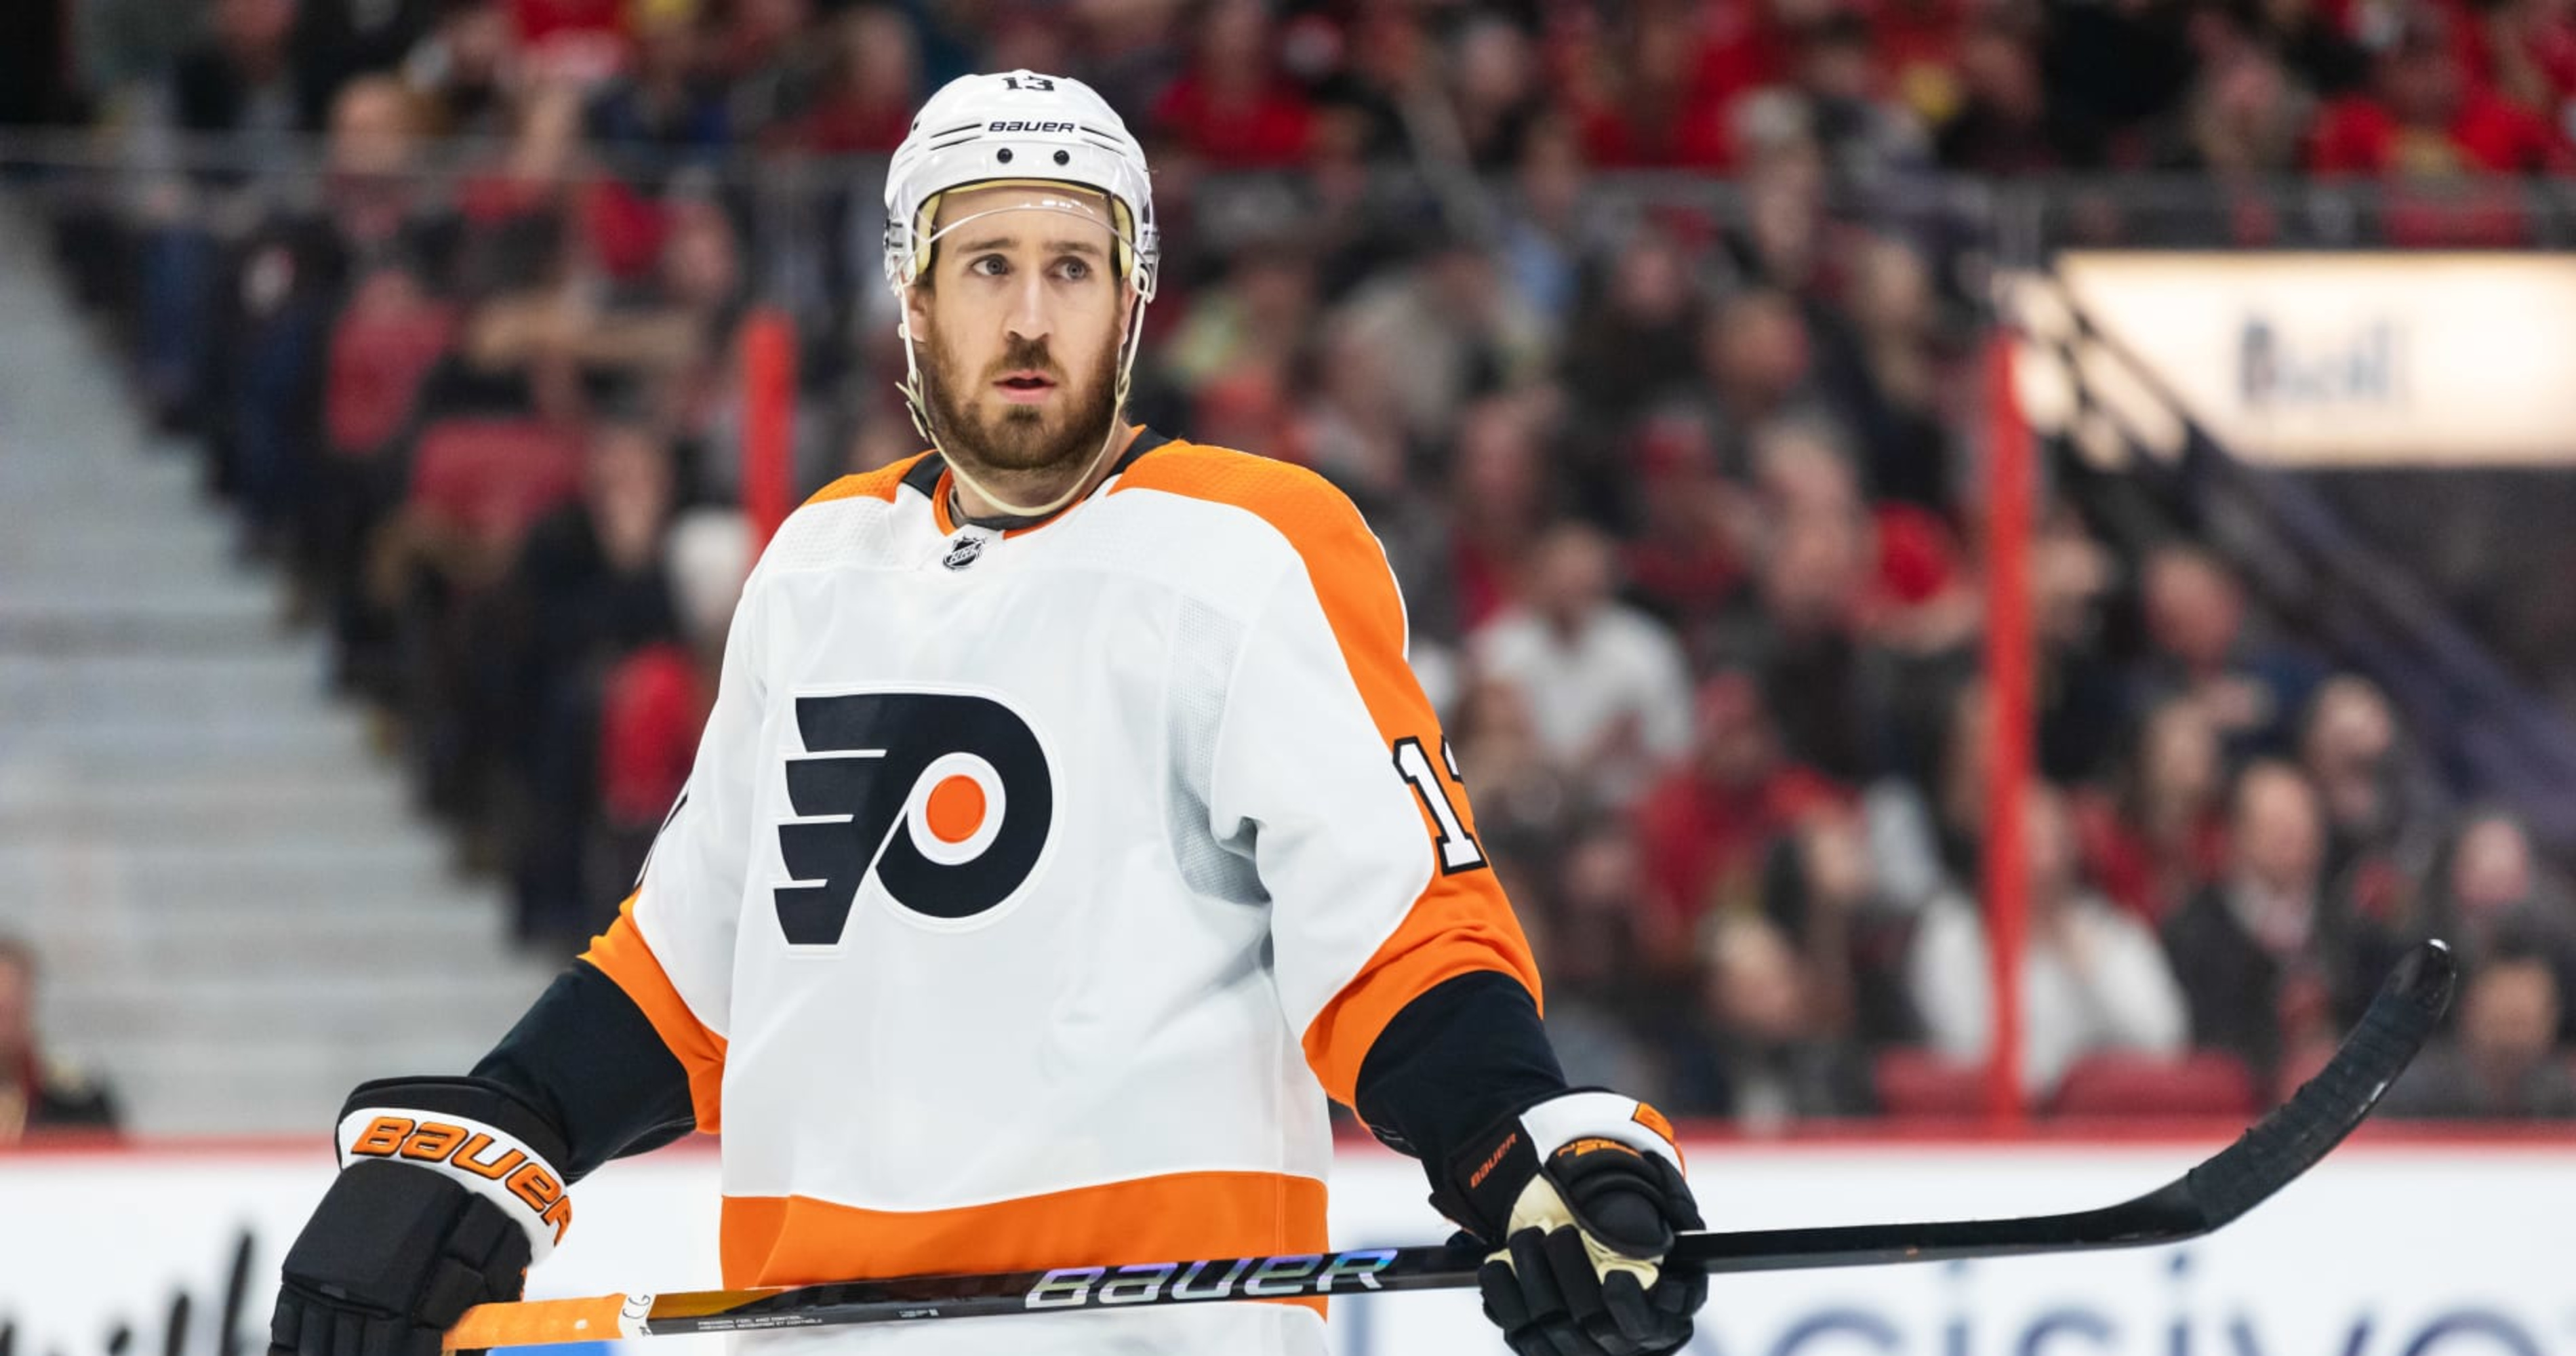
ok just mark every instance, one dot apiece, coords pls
pixel 1018 323
pixel 1059 432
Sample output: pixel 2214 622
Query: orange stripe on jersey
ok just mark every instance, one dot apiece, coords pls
pixel 797 1240
pixel 1461 924
pixel 943 497
pixel 622 954
pixel 939 514
pixel 880 483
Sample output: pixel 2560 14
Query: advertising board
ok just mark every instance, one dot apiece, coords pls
pixel 2389 1249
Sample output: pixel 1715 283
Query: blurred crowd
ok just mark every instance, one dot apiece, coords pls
pixel 1682 488
pixel 1999 87
pixel 39 1096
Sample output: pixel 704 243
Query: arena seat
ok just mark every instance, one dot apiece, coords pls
pixel 380 358
pixel 2127 1085
pixel 1923 1085
pixel 491 479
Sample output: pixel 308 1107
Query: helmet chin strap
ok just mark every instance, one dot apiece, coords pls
pixel 917 400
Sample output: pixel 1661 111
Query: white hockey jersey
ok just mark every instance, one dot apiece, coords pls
pixel 1033 888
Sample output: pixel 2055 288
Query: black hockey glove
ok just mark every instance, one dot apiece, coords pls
pixel 1579 1198
pixel 447 1193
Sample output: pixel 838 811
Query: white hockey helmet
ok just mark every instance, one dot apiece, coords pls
pixel 1018 126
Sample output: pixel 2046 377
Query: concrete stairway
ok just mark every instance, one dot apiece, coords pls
pixel 239 914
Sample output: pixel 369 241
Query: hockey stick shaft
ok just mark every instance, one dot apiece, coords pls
pixel 2266 1158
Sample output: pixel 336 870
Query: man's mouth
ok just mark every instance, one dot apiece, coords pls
pixel 1024 387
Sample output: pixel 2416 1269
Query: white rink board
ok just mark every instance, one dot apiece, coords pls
pixel 2461 1249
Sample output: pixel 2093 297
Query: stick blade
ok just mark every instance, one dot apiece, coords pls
pixel 2327 1107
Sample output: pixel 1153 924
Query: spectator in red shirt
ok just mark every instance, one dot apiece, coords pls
pixel 1500 495
pixel 2525 51
pixel 1708 824
pixel 652 706
pixel 654 701
pixel 1665 112
pixel 1232 107
pixel 2164 838
pixel 1741 48
pixel 2426 119
pixel 1682 564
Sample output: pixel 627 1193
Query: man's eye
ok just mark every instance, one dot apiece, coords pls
pixel 1075 270
pixel 990 266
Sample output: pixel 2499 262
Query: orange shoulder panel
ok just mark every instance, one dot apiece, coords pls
pixel 622 954
pixel 880 483
pixel 1461 924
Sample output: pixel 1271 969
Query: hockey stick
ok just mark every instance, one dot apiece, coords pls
pixel 2266 1158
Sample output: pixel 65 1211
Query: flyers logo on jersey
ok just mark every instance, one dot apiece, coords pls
pixel 944 798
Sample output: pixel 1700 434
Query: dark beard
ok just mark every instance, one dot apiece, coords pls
pixel 1021 452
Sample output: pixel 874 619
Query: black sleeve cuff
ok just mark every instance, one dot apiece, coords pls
pixel 589 1062
pixel 1467 1053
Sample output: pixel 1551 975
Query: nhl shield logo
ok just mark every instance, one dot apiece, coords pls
pixel 962 552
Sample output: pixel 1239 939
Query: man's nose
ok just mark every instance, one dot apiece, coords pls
pixel 1029 317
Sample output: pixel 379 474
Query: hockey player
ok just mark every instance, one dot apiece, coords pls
pixel 1067 828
